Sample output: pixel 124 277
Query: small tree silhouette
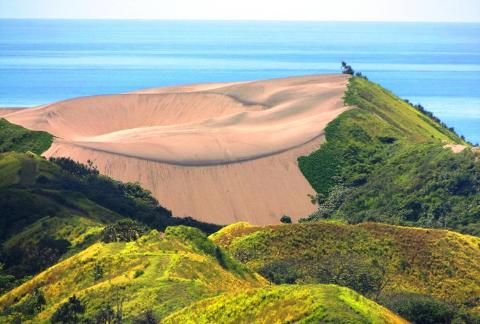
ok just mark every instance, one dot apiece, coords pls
pixel 347 69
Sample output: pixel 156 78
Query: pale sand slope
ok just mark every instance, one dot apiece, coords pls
pixel 6 111
pixel 218 152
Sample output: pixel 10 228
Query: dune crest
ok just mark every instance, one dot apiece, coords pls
pixel 219 152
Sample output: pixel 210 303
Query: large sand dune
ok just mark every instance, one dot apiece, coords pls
pixel 217 152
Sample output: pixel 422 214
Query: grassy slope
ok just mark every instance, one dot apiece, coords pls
pixel 18 139
pixel 30 211
pixel 158 272
pixel 39 200
pixel 385 161
pixel 287 304
pixel 440 263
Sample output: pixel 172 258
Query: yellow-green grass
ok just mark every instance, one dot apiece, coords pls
pixel 440 263
pixel 287 304
pixel 158 272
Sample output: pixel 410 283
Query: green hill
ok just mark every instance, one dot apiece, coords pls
pixel 377 260
pixel 159 273
pixel 385 161
pixel 51 209
pixel 18 139
pixel 287 304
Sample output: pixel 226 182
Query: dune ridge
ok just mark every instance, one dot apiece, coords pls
pixel 219 152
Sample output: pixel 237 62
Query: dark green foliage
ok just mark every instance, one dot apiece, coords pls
pixel 421 309
pixel 7 281
pixel 286 219
pixel 35 191
pixel 29 307
pixel 19 139
pixel 349 270
pixel 146 318
pixel 107 315
pixel 69 312
pixel 127 199
pixel 97 272
pixel 36 257
pixel 74 168
pixel 385 162
pixel 123 231
pixel 138 273
pixel 347 69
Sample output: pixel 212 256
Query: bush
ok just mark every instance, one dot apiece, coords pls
pixel 347 69
pixel 7 281
pixel 286 219
pixel 69 312
pixel 146 318
pixel 419 309
pixel 31 306
pixel 123 231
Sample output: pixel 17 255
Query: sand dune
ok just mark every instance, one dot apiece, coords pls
pixel 219 152
pixel 7 111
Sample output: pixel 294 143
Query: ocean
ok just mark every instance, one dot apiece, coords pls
pixel 435 64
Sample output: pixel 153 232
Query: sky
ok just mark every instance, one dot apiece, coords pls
pixel 331 10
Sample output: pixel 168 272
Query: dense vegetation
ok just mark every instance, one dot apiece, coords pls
pixel 18 139
pixel 376 260
pixel 157 274
pixel 385 161
pixel 52 209
pixel 287 304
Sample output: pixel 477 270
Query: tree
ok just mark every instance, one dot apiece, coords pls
pixel 418 308
pixel 347 69
pixel 146 318
pixel 123 231
pixel 69 312
pixel 106 315
pixel 7 281
pixel 286 219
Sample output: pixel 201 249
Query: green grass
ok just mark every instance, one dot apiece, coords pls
pixel 19 139
pixel 48 213
pixel 442 264
pixel 385 161
pixel 158 272
pixel 287 304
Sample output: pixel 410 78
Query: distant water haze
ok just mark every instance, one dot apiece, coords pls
pixel 437 65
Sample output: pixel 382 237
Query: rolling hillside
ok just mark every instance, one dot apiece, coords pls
pixel 160 272
pixel 376 260
pixel 51 209
pixel 388 161
pixel 287 304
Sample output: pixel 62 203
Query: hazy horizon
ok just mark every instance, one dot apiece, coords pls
pixel 466 11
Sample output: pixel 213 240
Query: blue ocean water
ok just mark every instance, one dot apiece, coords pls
pixel 437 65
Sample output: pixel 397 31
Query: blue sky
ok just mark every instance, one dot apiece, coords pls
pixel 350 10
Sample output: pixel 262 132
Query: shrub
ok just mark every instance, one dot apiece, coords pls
pixel 138 273
pixel 347 69
pixel 286 219
pixel 69 312
pixel 146 318
pixel 418 308
pixel 123 231
pixel 32 305
pixel 97 272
